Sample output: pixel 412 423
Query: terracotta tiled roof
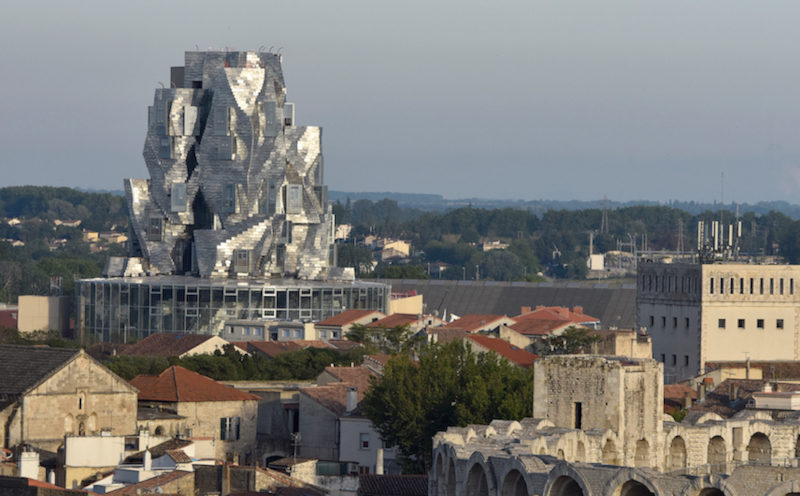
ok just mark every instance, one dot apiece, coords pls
pixel 333 396
pixel 731 395
pixel 514 354
pixel 576 315
pixel 394 320
pixel 537 327
pixel 445 335
pixel 676 392
pixel 272 348
pixel 392 485
pixel 179 456
pixel 347 317
pixel 344 344
pixel 312 343
pixel 159 450
pixel 178 384
pixel 8 318
pixel 382 359
pixel 166 344
pixel 475 321
pixel 354 376
pixel 149 484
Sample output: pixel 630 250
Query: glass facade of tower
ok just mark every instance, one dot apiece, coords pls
pixel 128 309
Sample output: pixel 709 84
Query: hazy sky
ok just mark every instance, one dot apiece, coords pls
pixel 525 99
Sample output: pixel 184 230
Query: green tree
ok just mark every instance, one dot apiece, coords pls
pixel 572 340
pixel 358 257
pixel 449 385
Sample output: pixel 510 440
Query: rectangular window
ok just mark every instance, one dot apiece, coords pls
pixel 759 323
pixel 740 324
pixel 741 285
pixel 780 286
pixel 177 197
pixel 663 358
pixel 674 322
pixel 771 285
pixel 363 441
pixel 229 198
pixel 229 428
pixel 687 322
pixel 721 285
pixel 791 286
pixel 663 321
pixel 652 320
pixel 751 285
pixel 721 323
pixel 578 415
pixel 761 286
pixel 779 323
pixel 294 199
pixel 241 260
pixel 686 360
pixel 674 360
pixel 711 285
pixel 732 288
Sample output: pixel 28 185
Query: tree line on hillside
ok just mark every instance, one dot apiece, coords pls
pixel 555 242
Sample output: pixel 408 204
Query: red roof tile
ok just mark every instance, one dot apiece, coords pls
pixel 355 376
pixel 154 482
pixel 347 317
pixel 166 344
pixel 538 327
pixel 445 335
pixel 333 396
pixel 394 320
pixel 474 321
pixel 514 354
pixel 178 384
pixel 272 348
pixel 576 315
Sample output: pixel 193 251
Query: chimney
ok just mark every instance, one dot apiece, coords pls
pixel 28 465
pixel 524 310
pixel 379 462
pixel 687 400
pixel 577 310
pixel 147 461
pixel 51 476
pixel 701 392
pixel 352 399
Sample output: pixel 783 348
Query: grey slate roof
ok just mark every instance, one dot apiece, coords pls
pixel 22 367
pixel 392 485
pixel 613 303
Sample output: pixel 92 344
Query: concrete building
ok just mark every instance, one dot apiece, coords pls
pixel 43 313
pixel 48 393
pixel 234 221
pixel 697 313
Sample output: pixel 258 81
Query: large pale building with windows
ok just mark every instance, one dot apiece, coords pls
pixel 696 313
pixel 234 221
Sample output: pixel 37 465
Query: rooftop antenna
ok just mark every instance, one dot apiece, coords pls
pixel 279 50
pixel 196 47
pixel 162 84
pixel 270 48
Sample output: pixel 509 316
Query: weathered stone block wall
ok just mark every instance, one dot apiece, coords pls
pixel 83 394
pixel 203 418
